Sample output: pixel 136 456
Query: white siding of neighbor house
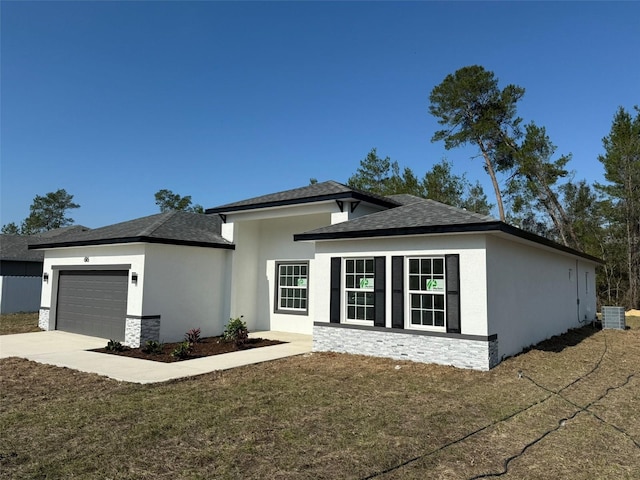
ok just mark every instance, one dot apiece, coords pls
pixel 20 294
pixel 99 257
pixel 188 287
pixel 533 293
pixel 471 248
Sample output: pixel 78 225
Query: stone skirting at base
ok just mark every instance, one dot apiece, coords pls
pixel 139 330
pixel 43 319
pixel 445 350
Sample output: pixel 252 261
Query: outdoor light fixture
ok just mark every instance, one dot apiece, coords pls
pixel 134 277
pixel 45 277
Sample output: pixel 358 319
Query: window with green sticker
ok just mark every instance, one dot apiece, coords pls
pixel 426 285
pixel 359 289
pixel 292 288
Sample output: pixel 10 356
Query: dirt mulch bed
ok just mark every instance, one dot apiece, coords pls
pixel 206 347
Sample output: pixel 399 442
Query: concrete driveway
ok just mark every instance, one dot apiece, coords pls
pixel 69 350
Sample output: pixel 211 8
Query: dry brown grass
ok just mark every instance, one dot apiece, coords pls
pixel 18 323
pixel 325 416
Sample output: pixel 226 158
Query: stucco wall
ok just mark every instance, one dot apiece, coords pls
pixel 276 237
pixel 259 244
pixel 188 287
pixel 473 292
pixel 533 293
pixel 244 272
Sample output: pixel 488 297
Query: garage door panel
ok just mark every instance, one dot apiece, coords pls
pixel 93 302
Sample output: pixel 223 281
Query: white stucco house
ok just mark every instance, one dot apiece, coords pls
pixel 399 277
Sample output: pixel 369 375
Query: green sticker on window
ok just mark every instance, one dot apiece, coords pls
pixel 366 283
pixel 302 282
pixel 435 286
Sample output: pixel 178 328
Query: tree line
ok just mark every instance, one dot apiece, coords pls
pixel 533 187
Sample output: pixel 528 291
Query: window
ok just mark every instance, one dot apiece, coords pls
pixel 426 292
pixel 291 295
pixel 359 275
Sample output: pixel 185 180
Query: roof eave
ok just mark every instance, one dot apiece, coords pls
pixel 443 229
pixel 124 240
pixel 397 232
pixel 320 198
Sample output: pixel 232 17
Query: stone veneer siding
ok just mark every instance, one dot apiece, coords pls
pixel 445 350
pixel 43 319
pixel 138 330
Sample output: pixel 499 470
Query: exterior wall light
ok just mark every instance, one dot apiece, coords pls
pixel 45 277
pixel 134 277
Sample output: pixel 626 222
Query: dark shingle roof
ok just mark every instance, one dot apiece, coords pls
pixel 16 247
pixel 405 198
pixel 175 228
pixel 423 217
pixel 71 229
pixel 311 193
pixel 417 216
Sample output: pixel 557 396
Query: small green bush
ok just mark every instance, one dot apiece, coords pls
pixel 236 331
pixel 154 347
pixel 114 346
pixel 193 335
pixel 182 351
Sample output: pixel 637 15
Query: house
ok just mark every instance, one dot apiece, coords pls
pixel 399 276
pixel 21 269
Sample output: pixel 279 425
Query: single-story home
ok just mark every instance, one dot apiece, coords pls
pixel 398 276
pixel 21 270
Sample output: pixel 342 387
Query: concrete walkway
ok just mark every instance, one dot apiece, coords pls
pixel 69 350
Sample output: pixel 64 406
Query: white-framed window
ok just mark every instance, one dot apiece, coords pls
pixel 426 293
pixel 292 287
pixel 358 286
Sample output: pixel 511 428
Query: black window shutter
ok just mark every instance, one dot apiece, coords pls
pixel 334 301
pixel 453 293
pixel 378 292
pixel 397 292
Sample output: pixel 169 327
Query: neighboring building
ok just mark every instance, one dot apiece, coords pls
pixel 21 270
pixel 398 276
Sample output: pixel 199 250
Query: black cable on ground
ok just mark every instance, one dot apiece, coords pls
pixel 453 442
pixel 561 423
pixel 485 427
pixel 586 408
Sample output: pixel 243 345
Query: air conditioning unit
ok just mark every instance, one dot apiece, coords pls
pixel 613 317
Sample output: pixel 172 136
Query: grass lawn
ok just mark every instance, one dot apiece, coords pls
pixel 567 409
pixel 18 323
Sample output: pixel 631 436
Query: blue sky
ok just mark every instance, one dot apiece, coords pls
pixel 114 101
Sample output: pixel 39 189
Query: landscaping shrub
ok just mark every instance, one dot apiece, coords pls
pixel 193 335
pixel 153 347
pixel 183 350
pixel 114 346
pixel 236 331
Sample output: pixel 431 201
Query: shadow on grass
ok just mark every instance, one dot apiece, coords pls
pixel 571 338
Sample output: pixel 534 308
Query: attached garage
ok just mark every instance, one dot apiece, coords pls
pixel 92 302
pixel 152 278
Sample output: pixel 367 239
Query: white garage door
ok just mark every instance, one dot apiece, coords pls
pixel 92 302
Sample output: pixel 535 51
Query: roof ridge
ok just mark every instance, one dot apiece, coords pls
pixel 163 218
